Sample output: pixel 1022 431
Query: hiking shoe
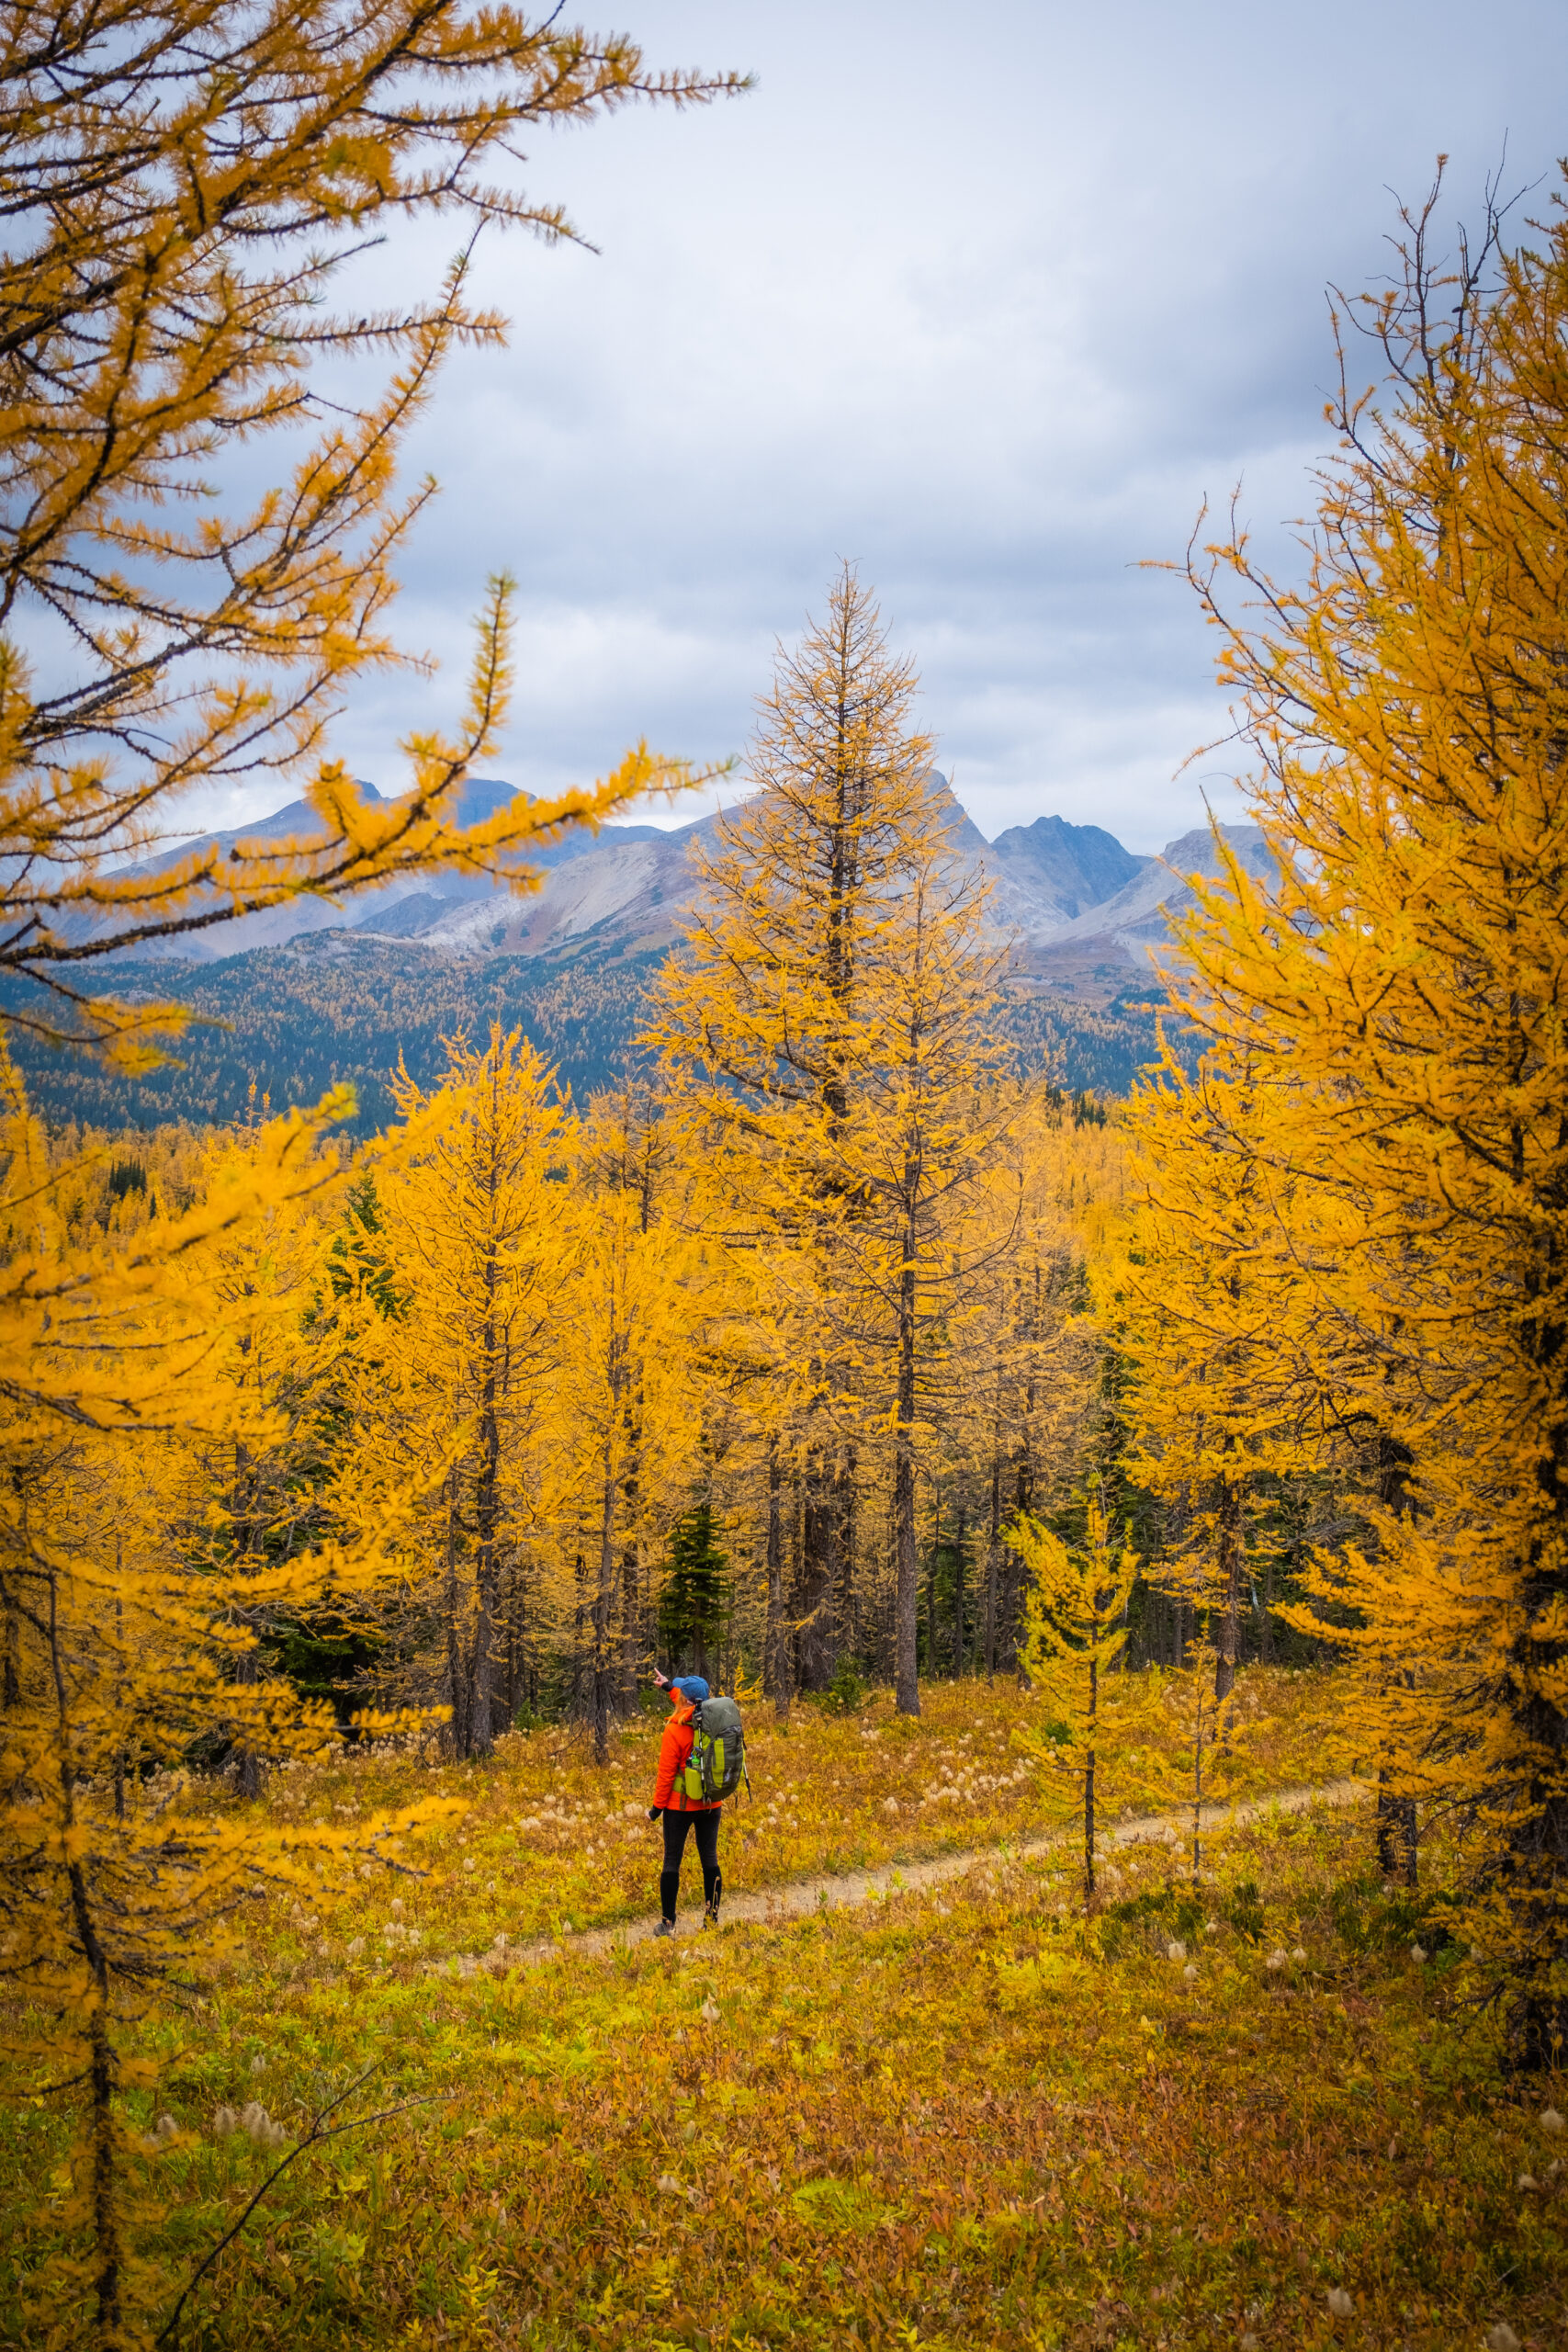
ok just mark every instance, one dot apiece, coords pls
pixel 665 1927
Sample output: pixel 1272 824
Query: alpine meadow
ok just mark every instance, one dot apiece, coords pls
pixel 1086 1568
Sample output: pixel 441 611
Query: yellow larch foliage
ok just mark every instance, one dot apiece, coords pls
pixel 182 189
pixel 1398 1003
pixel 184 192
pixel 632 1401
pixel 460 1339
pixel 1100 1742
pixel 151 1535
pixel 826 1021
pixel 1207 1291
pixel 1028 1352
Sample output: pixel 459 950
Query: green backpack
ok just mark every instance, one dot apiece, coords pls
pixel 717 1762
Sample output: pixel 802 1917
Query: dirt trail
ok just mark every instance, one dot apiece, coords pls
pixel 776 1905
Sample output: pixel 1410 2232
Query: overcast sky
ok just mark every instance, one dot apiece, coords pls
pixel 988 300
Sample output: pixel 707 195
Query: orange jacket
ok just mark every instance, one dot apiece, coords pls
pixel 674 1755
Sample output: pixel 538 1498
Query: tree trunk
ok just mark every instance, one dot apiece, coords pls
pixel 1231 1563
pixel 103 2073
pixel 796 1570
pixel 1011 1582
pixel 244 1669
pixel 119 1754
pixel 960 1631
pixel 1397 1833
pixel 631 1494
pixel 847 1641
pixel 487 1530
pixel 905 1679
pixel 10 1674
pixel 581 1616
pixel 507 1620
pixel 906 1660
pixel 1266 1632
pixel 777 1680
pixel 108 2258
pixel 818 1583
pixel 603 1603
pixel 526 1691
pixel 931 1584
pixel 1089 1787
pixel 631 1625
pixel 456 1667
pixel 993 1550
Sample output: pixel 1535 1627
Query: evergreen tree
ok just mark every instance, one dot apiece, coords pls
pixel 694 1594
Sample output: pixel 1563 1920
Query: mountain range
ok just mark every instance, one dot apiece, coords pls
pixel 298 998
pixel 1077 905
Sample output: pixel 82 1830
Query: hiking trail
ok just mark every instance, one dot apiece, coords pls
pixel 836 1891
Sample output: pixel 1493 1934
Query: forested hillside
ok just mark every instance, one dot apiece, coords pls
pixel 294 1022
pixel 329 1010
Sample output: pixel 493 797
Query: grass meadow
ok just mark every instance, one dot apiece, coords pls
pixel 1259 2109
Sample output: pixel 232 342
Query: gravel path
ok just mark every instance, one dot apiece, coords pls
pixel 776 1905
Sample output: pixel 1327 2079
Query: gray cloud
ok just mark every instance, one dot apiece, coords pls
pixel 988 300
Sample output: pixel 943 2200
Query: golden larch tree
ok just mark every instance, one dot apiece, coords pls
pixel 184 189
pixel 458 1393
pixel 633 1407
pixel 1233 1377
pixel 1400 994
pixel 1102 1734
pixel 146 1551
pixel 823 1015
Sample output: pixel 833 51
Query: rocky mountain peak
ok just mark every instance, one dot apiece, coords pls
pixel 1080 910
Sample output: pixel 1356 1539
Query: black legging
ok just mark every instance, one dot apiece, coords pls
pixel 706 1827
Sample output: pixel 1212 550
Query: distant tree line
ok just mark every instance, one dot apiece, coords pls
pixel 293 1021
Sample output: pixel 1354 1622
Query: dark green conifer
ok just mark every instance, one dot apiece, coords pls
pixel 694 1594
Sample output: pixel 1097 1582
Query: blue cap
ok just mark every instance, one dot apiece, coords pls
pixel 691 1686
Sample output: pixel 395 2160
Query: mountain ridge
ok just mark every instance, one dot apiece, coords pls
pixel 298 998
pixel 1054 884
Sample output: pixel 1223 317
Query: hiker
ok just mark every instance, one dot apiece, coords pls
pixel 682 1812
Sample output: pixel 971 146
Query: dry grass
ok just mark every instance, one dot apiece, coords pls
pixel 971 2117
pixel 551 1841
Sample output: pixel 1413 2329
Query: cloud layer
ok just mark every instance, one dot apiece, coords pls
pixel 988 300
